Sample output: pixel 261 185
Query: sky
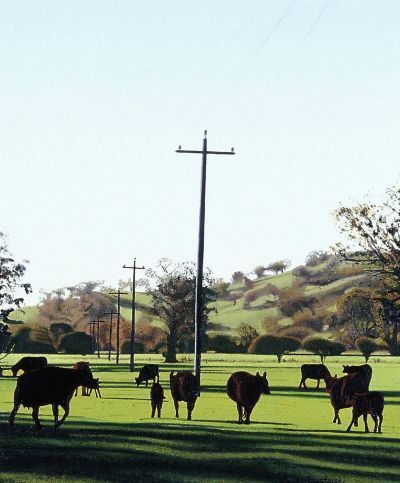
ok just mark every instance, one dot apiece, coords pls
pixel 96 96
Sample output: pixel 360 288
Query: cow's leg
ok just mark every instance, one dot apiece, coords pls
pixel 374 417
pixel 98 391
pixel 337 417
pixel 35 417
pixel 247 414
pixel 76 391
pixel 159 407
pixel 147 381
pixel 176 404
pixel 365 416
pixel 65 407
pixel 153 409
pixel 240 413
pixel 356 422
pixel 318 380
pixel 380 423
pixel 301 383
pixel 351 423
pixel 55 414
pixel 11 419
pixel 190 407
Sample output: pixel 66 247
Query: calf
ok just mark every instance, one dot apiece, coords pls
pixel 85 366
pixel 96 387
pixel 369 403
pixel 246 389
pixel 28 364
pixel 149 371
pixel 184 387
pixel 313 371
pixel 48 385
pixel 341 391
pixel 157 398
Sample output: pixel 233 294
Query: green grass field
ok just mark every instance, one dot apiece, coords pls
pixel 291 438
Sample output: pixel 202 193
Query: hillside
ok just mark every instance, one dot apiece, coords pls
pixel 252 303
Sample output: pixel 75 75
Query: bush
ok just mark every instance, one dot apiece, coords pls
pixel 76 343
pixel 32 339
pixel 293 299
pixel 316 257
pixel 366 346
pixel 323 347
pixel 224 344
pixel 306 318
pixel 274 345
pixel 57 330
pixel 126 347
pixel 296 331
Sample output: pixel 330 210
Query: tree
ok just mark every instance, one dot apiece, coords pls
pixel 32 339
pixel 237 277
pixel 274 344
pixel 323 347
pixel 224 344
pixel 5 337
pixel 366 346
pixel 293 299
pixel 271 289
pixel 278 266
pixel 220 287
pixel 316 257
pixel 357 309
pixel 57 330
pixel 247 333
pixel 259 271
pixel 76 343
pixel 373 231
pixel 173 300
pixel 11 275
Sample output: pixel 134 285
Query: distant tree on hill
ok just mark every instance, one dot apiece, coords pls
pixel 366 346
pixel 271 289
pixel 323 347
pixel 247 333
pixel 220 287
pixel 237 277
pixel 316 257
pixel 248 283
pixel 274 344
pixel 294 299
pixel 259 271
pixel 278 267
pixel 173 300
pixel 11 275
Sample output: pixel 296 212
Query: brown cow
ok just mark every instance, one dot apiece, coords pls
pixel 49 385
pixel 184 387
pixel 313 371
pixel 341 391
pixel 246 389
pixel 370 403
pixel 157 398
pixel 28 363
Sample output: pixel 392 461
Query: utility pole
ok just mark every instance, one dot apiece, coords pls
pixel 110 332
pixel 198 322
pixel 91 329
pixel 118 293
pixel 133 268
pixel 97 322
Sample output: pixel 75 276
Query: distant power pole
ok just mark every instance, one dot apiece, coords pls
pixel 133 268
pixel 110 332
pixel 200 254
pixel 92 330
pixel 118 293
pixel 97 322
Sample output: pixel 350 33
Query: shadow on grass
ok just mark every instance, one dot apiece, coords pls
pixel 181 451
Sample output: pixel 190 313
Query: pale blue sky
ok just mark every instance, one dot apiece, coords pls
pixel 96 96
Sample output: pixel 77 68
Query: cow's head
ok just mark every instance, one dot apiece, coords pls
pixel 138 380
pixel 86 378
pixel 14 371
pixel 263 383
pixel 329 381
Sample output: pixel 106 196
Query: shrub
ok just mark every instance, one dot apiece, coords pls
pixel 316 257
pixel 293 299
pixel 296 331
pixel 246 334
pixel 278 266
pixel 259 271
pixel 307 319
pixel 323 347
pixel 223 344
pixel 274 344
pixel 57 330
pixel 126 347
pixel 237 277
pixel 366 346
pixel 76 343
pixel 33 339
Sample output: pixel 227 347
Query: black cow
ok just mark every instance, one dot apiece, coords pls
pixel 48 385
pixel 342 391
pixel 149 371
pixel 370 403
pixel 184 387
pixel 246 389
pixel 313 371
pixel 28 364
pixel 157 398
pixel 365 369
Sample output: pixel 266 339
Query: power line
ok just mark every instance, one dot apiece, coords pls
pixel 315 23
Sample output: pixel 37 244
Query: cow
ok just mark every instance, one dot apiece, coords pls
pixel 28 364
pixel 365 369
pixel 369 403
pixel 245 390
pixel 96 387
pixel 48 385
pixel 157 398
pixel 86 367
pixel 149 371
pixel 313 371
pixel 184 387
pixel 341 391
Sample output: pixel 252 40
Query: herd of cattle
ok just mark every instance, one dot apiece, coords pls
pixel 42 385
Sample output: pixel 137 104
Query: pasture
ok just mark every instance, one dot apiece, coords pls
pixel 291 438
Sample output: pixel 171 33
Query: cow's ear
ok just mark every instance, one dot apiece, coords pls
pixel 344 367
pixel 265 375
pixel 258 374
pixel 335 376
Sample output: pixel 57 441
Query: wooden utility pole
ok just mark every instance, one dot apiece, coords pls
pixel 92 330
pixel 97 323
pixel 110 332
pixel 200 254
pixel 118 293
pixel 132 358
